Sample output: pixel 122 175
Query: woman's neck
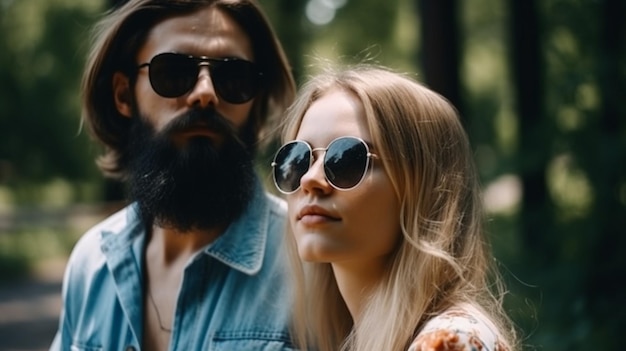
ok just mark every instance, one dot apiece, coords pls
pixel 356 281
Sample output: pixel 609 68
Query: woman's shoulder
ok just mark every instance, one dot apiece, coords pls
pixel 462 328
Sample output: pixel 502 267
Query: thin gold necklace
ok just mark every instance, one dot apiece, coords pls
pixel 167 330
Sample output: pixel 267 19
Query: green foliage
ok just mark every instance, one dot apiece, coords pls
pixel 364 30
pixel 22 248
pixel 42 53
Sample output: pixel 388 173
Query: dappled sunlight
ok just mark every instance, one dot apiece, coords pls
pixel 339 34
pixel 569 187
pixel 407 31
pixel 564 42
pixel 322 12
pixel 503 195
pixel 29 18
pixel 484 69
pixel 57 193
pixel 6 200
pixel 588 96
pixel 507 133
pixel 43 222
pixel 569 118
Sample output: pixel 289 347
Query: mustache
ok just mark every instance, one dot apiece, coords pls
pixel 207 117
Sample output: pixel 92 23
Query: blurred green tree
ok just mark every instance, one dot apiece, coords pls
pixel 40 59
pixel 568 66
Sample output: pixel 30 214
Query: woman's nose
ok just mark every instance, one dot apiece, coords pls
pixel 314 180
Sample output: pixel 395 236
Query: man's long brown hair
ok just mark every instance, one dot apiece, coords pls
pixel 119 35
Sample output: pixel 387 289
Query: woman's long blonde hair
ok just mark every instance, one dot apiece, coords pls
pixel 444 258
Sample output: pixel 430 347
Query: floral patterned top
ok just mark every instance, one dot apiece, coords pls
pixel 458 329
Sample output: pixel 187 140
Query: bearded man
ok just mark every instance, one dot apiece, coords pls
pixel 178 93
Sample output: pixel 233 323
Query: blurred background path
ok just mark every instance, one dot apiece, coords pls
pixel 34 246
pixel 29 309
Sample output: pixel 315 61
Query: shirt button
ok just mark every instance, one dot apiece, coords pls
pixel 130 348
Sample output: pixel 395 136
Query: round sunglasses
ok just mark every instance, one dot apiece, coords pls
pixel 346 161
pixel 173 75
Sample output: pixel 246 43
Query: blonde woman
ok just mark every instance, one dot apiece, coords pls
pixel 385 220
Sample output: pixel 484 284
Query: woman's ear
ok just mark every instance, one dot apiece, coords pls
pixel 122 94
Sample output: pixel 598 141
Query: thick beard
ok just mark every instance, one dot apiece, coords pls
pixel 196 186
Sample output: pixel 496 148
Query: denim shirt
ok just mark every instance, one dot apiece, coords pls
pixel 233 294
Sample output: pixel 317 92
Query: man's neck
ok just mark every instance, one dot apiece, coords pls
pixel 167 254
pixel 169 246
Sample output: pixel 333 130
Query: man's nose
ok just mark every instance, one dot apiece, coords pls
pixel 203 93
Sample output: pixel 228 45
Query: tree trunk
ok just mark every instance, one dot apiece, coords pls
pixel 440 49
pixel 607 172
pixel 533 156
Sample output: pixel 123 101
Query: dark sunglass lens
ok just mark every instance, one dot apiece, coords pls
pixel 236 81
pixel 173 75
pixel 345 162
pixel 290 164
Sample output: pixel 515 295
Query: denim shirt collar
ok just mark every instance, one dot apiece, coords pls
pixel 241 246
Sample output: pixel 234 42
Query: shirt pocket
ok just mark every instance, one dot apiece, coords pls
pixel 251 341
pixel 82 347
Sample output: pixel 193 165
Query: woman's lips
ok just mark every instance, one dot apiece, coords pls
pixel 313 214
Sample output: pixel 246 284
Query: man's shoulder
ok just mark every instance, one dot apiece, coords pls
pixel 88 246
pixel 459 328
pixel 277 205
pixel 276 219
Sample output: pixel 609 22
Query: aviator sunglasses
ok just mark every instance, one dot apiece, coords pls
pixel 346 161
pixel 173 75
